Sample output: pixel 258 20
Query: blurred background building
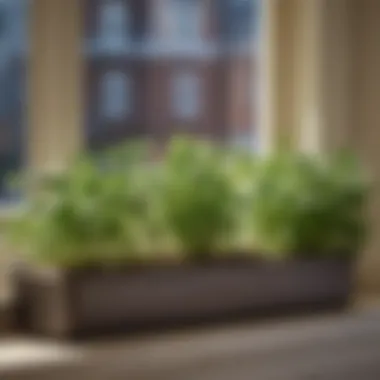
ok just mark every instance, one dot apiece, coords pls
pixel 153 68
pixel 158 67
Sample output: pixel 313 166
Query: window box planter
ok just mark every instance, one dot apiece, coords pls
pixel 70 303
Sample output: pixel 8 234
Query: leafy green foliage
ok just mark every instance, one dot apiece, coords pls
pixel 82 216
pixel 197 196
pixel 117 206
pixel 241 167
pixel 308 206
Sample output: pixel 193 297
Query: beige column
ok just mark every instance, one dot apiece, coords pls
pixel 55 75
pixel 338 70
pixel 366 119
pixel 324 69
pixel 277 73
pixel 310 118
pixel 55 107
pixel 305 70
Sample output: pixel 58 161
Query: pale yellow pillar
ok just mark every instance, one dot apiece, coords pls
pixel 366 119
pixel 324 67
pixel 337 74
pixel 55 104
pixel 309 93
pixel 305 74
pixel 55 101
pixel 277 73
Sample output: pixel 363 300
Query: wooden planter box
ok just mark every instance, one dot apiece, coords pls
pixel 70 303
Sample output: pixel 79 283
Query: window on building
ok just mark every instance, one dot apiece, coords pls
pixel 237 19
pixel 186 95
pixel 115 96
pixel 183 67
pixel 114 23
pixel 186 18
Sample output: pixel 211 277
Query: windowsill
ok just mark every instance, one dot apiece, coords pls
pixel 155 47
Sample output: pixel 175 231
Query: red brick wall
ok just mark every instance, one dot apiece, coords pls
pixel 240 100
pixel 162 122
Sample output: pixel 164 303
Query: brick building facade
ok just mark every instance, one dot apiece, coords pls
pixel 158 67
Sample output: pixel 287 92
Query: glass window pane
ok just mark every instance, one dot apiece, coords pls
pixel 186 19
pixel 13 43
pixel 114 23
pixel 185 95
pixel 115 95
pixel 236 19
